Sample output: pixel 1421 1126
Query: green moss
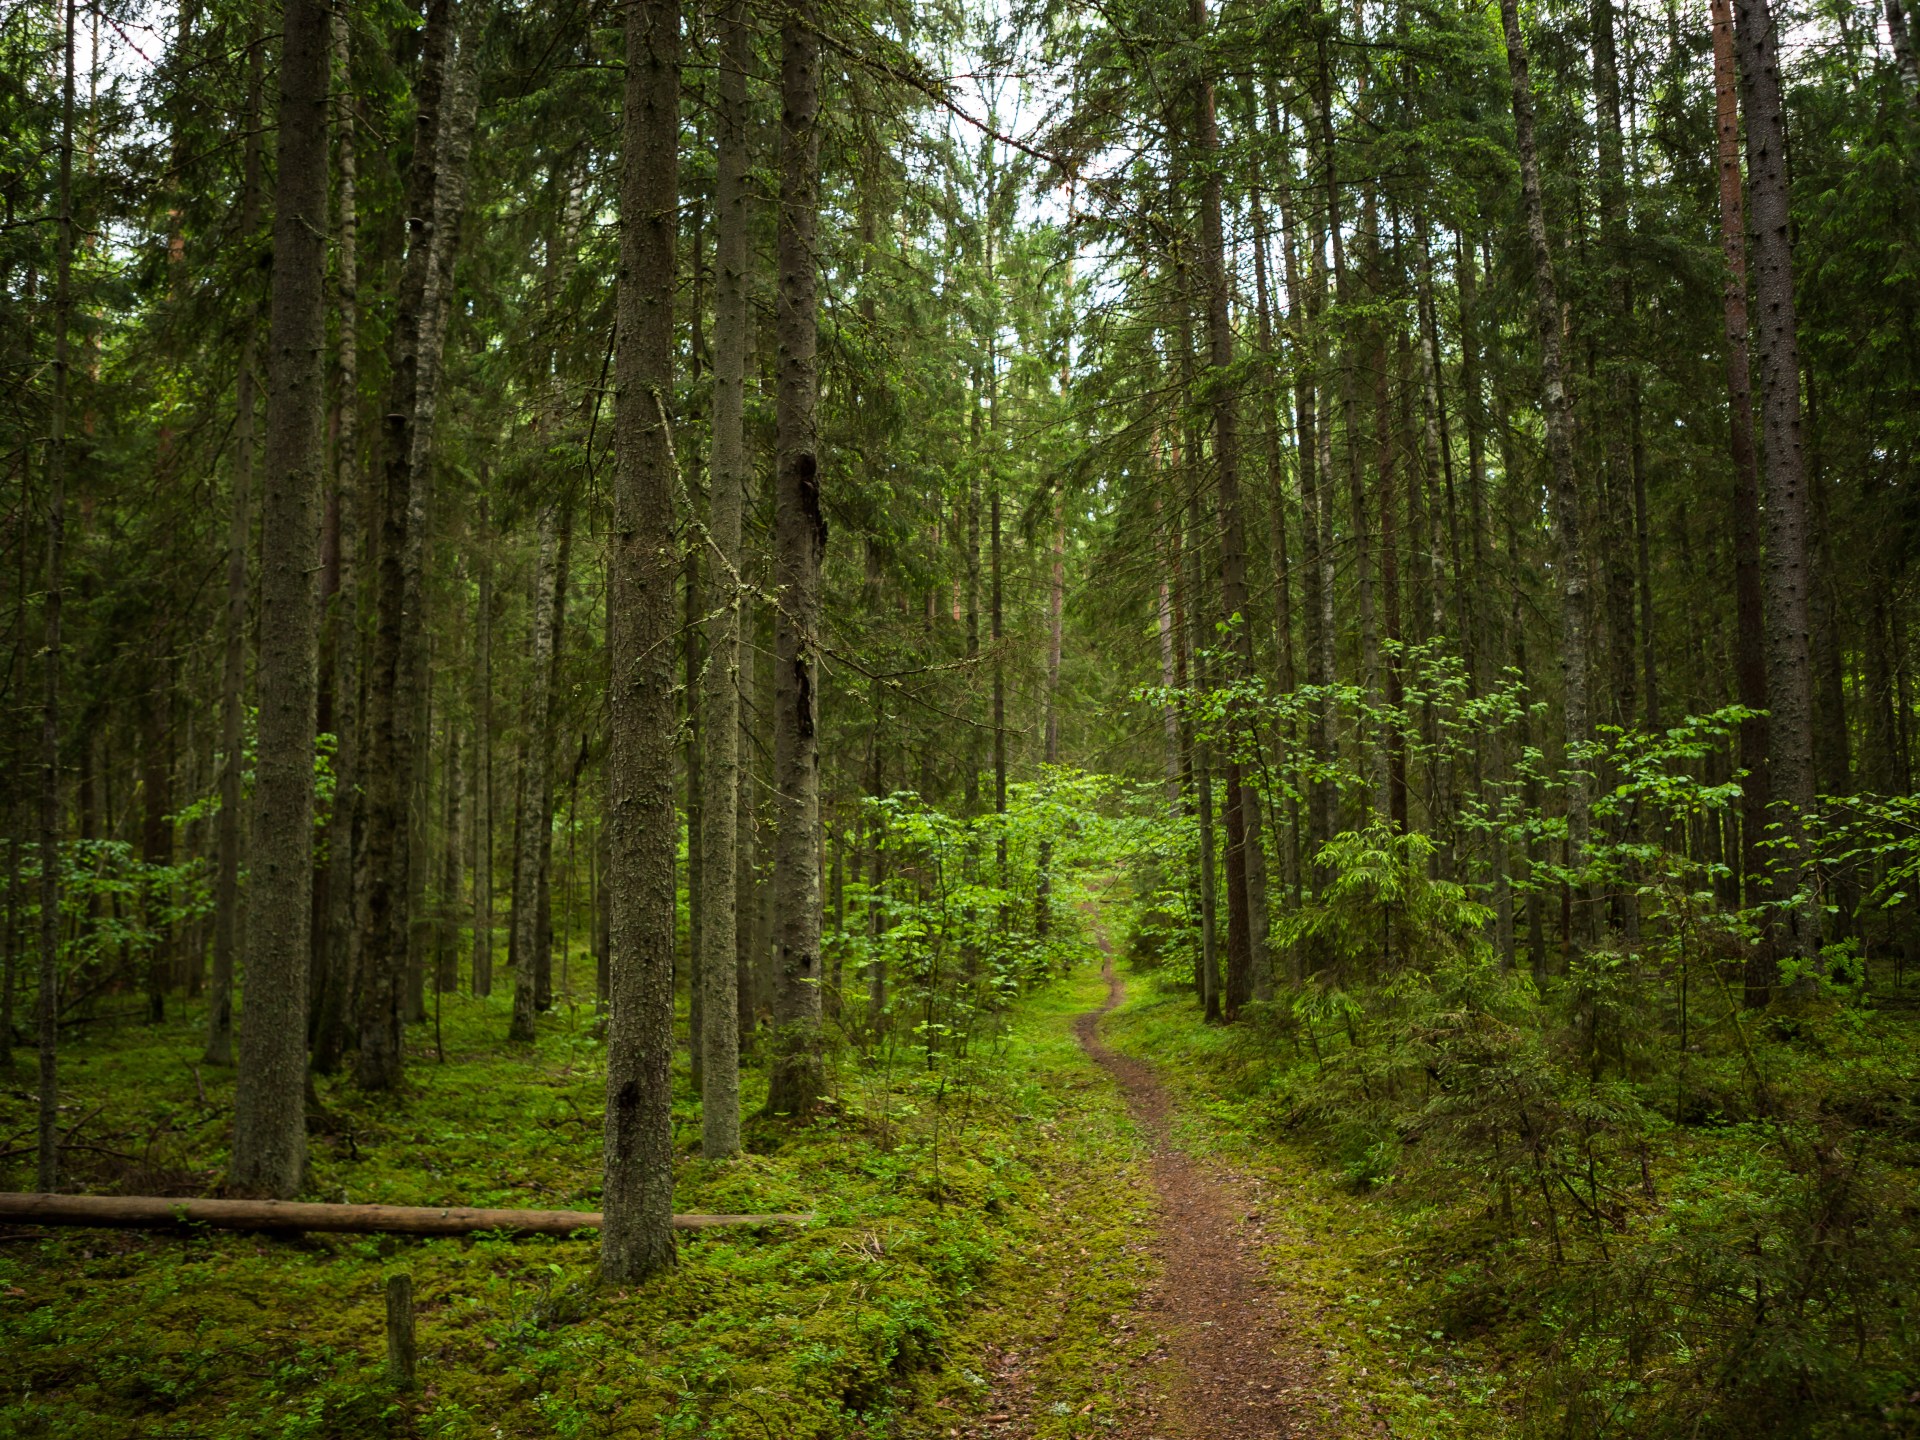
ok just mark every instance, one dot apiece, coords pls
pixel 998 1209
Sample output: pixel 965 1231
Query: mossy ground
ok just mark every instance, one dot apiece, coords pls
pixel 1440 1317
pixel 990 1207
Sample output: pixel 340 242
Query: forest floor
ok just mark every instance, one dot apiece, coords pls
pixel 1270 1310
pixel 1043 1242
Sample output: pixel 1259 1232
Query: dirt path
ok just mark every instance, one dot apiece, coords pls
pixel 1220 1360
pixel 1234 1370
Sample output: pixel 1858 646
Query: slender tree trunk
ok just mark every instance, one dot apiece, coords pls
pixel 1316 565
pixel 545 733
pixel 536 782
pixel 1483 609
pixel 452 144
pixel 1796 925
pixel 269 1124
pixel 1202 679
pixel 638 1239
pixel 47 1150
pixel 233 668
pixel 996 632
pixel 340 938
pixel 1237 795
pixel 446 964
pixel 800 538
pixel 483 753
pixel 1286 847
pixel 1750 656
pixel 1392 743
pixel 732 315
pixel 390 716
pixel 1572 562
pixel 1170 712
pixel 1056 614
pixel 970 786
pixel 156 840
pixel 750 937
pixel 10 980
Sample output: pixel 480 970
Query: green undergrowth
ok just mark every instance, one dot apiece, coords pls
pixel 950 1219
pixel 1622 1275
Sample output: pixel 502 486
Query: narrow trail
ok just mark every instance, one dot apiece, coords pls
pixel 1235 1372
pixel 1224 1363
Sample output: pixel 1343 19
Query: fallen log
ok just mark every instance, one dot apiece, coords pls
pixel 162 1212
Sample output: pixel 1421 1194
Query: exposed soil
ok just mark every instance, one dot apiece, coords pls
pixel 1227 1366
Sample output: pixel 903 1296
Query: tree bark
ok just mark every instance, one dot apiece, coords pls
pixel 390 717
pixel 269 1125
pixel 1903 52
pixel 1572 561
pixel 727 471
pixel 54 597
pixel 642 566
pixel 413 701
pixel 1750 656
pixel 545 731
pixel 1796 924
pixel 1218 385
pixel 482 864
pixel 158 1212
pixel 800 539
pixel 446 960
pixel 233 667
pixel 351 506
pixel 1316 564
pixel 536 781
pixel 1201 678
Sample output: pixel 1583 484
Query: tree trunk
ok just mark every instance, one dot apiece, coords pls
pixel 1572 561
pixel 1050 725
pixel 482 865
pixel 452 145
pixel 446 960
pixel 536 781
pixel 1218 382
pixel 1201 678
pixel 800 539
pixel 1750 656
pixel 269 1123
pixel 1316 564
pixel 692 750
pixel 637 1239
pixel 720 770
pixel 390 717
pixel 233 668
pixel 1170 712
pixel 750 936
pixel 1903 52
pixel 545 732
pixel 54 596
pixel 1796 925
pixel 338 944
pixel 156 838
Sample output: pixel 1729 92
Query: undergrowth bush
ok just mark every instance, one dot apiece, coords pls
pixel 1674 1216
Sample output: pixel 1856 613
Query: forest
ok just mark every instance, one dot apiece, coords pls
pixel 1012 719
